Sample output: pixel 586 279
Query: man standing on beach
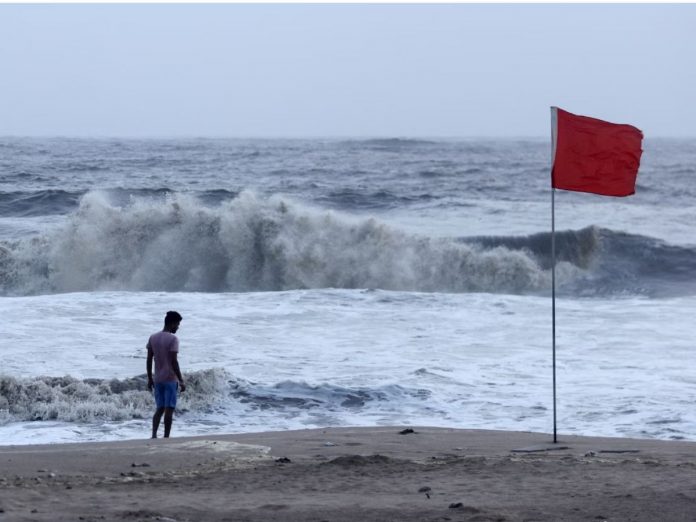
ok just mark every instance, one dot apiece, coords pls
pixel 163 347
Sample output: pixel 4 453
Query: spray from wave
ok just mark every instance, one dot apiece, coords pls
pixel 249 244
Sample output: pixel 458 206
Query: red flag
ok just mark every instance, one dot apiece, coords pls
pixel 591 155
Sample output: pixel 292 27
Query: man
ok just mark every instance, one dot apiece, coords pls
pixel 163 347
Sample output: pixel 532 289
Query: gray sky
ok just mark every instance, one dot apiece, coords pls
pixel 343 70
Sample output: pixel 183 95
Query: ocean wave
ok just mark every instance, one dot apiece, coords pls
pixel 378 200
pixel 174 242
pixel 56 202
pixel 68 399
pixel 611 262
pixel 249 244
pixel 299 394
pixel 39 203
pixel 388 144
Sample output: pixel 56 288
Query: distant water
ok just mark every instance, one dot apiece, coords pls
pixel 341 282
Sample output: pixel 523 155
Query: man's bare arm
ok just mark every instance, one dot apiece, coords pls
pixel 150 357
pixel 177 371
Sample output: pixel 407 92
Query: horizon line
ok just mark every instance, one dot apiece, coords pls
pixel 366 137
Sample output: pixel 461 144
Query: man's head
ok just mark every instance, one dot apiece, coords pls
pixel 171 321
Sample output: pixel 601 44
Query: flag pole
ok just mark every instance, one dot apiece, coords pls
pixel 554 131
pixel 553 303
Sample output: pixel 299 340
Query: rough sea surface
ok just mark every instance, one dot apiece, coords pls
pixel 342 282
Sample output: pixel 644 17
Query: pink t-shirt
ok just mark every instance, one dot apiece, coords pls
pixel 162 345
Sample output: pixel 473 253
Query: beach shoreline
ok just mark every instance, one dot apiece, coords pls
pixel 352 474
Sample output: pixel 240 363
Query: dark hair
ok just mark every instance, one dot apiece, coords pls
pixel 172 317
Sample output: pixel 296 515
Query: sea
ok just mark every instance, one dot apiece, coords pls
pixel 342 282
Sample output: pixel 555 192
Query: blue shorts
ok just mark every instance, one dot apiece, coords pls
pixel 165 394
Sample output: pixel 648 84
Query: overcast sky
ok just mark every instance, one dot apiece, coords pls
pixel 343 70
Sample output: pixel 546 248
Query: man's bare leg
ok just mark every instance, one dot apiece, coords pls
pixel 156 421
pixel 168 417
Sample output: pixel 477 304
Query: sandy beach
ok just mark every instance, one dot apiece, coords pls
pixel 352 474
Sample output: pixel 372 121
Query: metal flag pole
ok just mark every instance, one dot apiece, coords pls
pixel 553 303
pixel 554 128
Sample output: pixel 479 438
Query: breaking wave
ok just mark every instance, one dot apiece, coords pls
pixel 325 396
pixel 69 399
pixel 249 244
pixel 611 262
pixel 86 400
pixel 245 243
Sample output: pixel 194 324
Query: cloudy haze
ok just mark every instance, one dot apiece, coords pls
pixel 343 70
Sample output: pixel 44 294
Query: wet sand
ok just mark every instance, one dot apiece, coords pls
pixel 352 474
